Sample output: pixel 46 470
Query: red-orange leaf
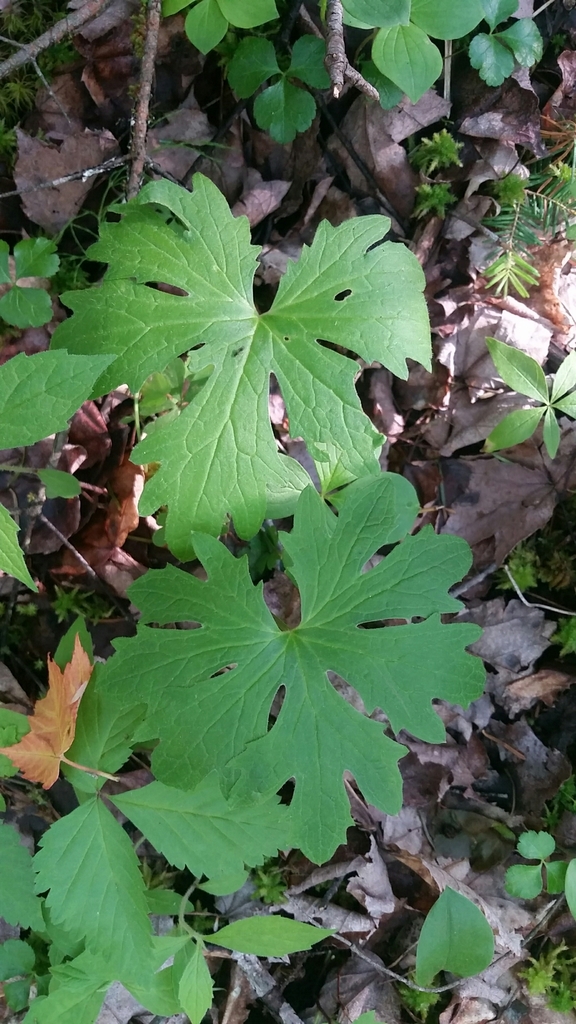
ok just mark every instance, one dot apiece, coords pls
pixel 53 724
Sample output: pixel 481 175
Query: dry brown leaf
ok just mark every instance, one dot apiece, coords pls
pixel 545 686
pixel 39 162
pixel 53 724
pixel 259 198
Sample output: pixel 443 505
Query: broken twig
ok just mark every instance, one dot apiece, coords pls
pixel 140 127
pixel 88 172
pixel 66 26
pixel 337 64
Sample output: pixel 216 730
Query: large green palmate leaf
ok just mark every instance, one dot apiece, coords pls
pixel 207 718
pixel 220 456
pixel 96 892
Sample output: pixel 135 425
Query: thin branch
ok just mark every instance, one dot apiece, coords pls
pixel 66 26
pixel 265 987
pixel 88 172
pixel 140 127
pixel 336 59
pixel 337 63
pixel 532 604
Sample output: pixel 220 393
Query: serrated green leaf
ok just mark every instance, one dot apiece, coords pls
pixel 205 25
pixel 390 94
pixel 11 555
pixel 556 876
pixel 515 428
pixel 16 957
pixel 317 734
pixel 77 991
pixel 524 881
pixel 375 14
pixel 166 901
pixel 249 13
pixel 4 263
pixel 59 484
pixel 13 726
pixel 36 257
pixel 406 55
pixel 551 433
pixel 518 370
pixel 95 890
pixel 496 11
pixel 307 62
pixel 253 62
pixel 565 378
pixel 269 936
pixel 195 986
pixel 455 937
pixel 220 456
pixel 39 394
pixel 103 737
pixel 570 887
pixel 17 994
pixel 202 831
pixel 18 904
pixel 525 41
pixel 493 61
pixel 26 307
pixel 283 110
pixel 536 845
pixel 445 19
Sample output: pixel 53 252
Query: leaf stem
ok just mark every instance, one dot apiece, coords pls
pixel 90 771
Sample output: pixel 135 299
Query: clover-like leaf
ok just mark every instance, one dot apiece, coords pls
pixel 283 110
pixel 524 40
pixel 220 456
pixel 36 257
pixel 493 61
pixel 536 845
pixel 207 20
pixel 307 62
pixel 496 11
pixel 253 62
pixel 317 736
pixel 524 881
pixel 556 876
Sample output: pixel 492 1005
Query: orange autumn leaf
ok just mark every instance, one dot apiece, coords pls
pixel 53 724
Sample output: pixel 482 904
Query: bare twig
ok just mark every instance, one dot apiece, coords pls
pixel 264 986
pixel 39 72
pixel 336 59
pixel 376 963
pixel 88 172
pixel 532 604
pixel 461 588
pixel 337 64
pixel 140 127
pixel 70 24
pixel 99 584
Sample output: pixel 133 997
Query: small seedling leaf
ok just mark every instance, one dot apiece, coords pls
pixel 307 62
pixel 536 845
pixel 556 876
pixel 283 110
pixel 455 937
pixel 524 881
pixel 518 370
pixel 195 985
pixel 493 61
pixel 59 484
pixel 254 61
pixel 525 41
pixel 515 428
